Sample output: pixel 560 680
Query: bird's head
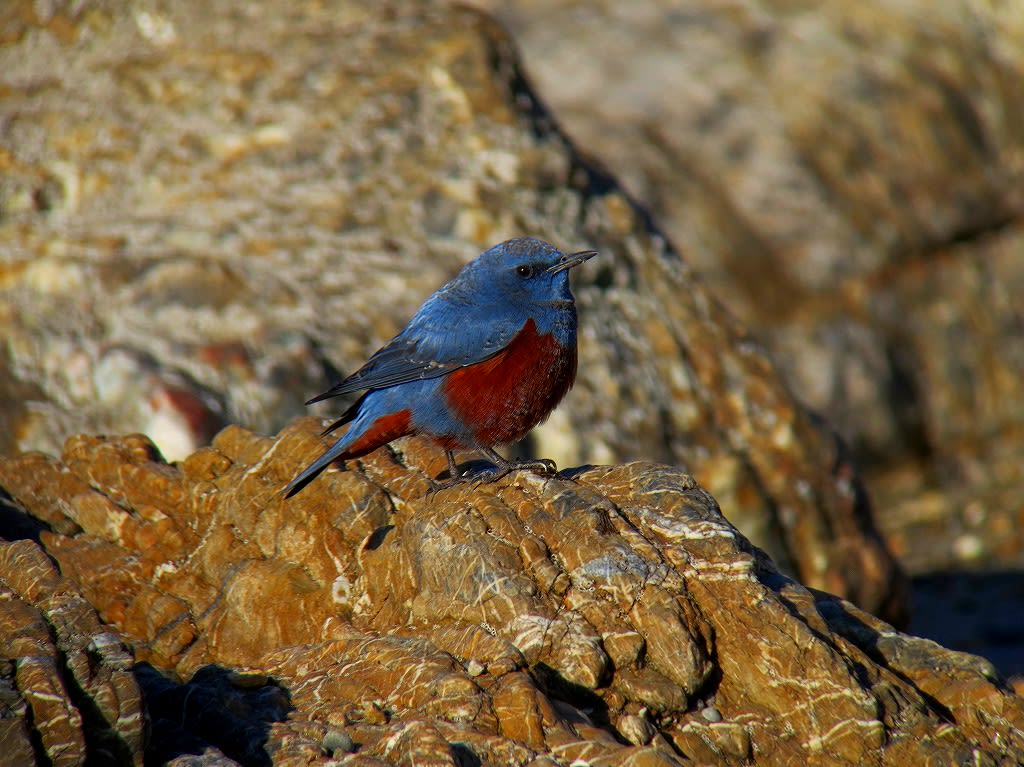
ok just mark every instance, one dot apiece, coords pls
pixel 528 271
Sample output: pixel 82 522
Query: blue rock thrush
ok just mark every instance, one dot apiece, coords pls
pixel 483 361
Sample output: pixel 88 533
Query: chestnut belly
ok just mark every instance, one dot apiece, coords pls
pixel 500 399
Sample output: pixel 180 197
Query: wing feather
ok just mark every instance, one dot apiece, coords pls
pixel 442 337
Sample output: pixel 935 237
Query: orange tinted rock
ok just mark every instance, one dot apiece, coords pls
pixel 72 677
pixel 523 619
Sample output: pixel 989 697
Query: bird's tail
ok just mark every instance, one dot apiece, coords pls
pixel 368 431
pixel 310 472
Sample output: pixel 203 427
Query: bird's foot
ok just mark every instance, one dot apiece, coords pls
pixel 455 477
pixel 502 468
pixel 544 467
pixel 448 484
pixel 538 466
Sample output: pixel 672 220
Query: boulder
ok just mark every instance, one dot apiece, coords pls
pixel 609 614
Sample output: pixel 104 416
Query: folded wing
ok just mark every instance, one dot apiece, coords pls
pixel 437 341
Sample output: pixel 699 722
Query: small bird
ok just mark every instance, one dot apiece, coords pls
pixel 483 361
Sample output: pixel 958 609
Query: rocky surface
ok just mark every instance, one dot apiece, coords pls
pixel 848 178
pixel 608 614
pixel 231 202
pixel 66 681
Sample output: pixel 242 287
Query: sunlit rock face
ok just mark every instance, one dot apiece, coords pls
pixel 609 613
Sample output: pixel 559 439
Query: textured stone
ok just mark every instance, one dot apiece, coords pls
pixel 358 606
pixel 67 681
pixel 848 179
pixel 231 202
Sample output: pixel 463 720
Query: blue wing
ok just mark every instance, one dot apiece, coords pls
pixel 445 334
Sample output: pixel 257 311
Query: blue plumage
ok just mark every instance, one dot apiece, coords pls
pixel 505 315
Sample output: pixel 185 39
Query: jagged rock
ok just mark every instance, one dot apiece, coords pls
pixel 66 680
pixel 848 178
pixel 227 205
pixel 609 614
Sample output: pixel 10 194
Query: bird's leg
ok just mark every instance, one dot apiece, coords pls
pixel 504 466
pixel 454 477
pixel 453 469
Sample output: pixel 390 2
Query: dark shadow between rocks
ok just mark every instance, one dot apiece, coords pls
pixel 16 524
pixel 976 612
pixel 583 701
pixel 217 708
pixel 981 613
pixel 105 745
pixel 464 756
pixel 377 537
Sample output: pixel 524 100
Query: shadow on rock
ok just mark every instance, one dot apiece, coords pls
pixel 216 709
pixel 16 524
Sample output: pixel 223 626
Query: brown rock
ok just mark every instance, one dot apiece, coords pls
pixel 224 208
pixel 72 688
pixel 360 604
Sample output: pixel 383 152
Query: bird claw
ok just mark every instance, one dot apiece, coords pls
pixel 474 480
pixel 447 484
pixel 541 466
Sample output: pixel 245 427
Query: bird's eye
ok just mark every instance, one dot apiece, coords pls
pixel 524 270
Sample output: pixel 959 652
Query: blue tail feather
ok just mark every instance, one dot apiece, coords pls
pixel 313 470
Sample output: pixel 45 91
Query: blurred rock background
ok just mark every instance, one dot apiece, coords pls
pixel 206 210
pixel 849 180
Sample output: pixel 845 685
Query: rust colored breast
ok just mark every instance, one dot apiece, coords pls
pixel 502 398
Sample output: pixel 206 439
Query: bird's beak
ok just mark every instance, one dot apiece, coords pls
pixel 571 260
